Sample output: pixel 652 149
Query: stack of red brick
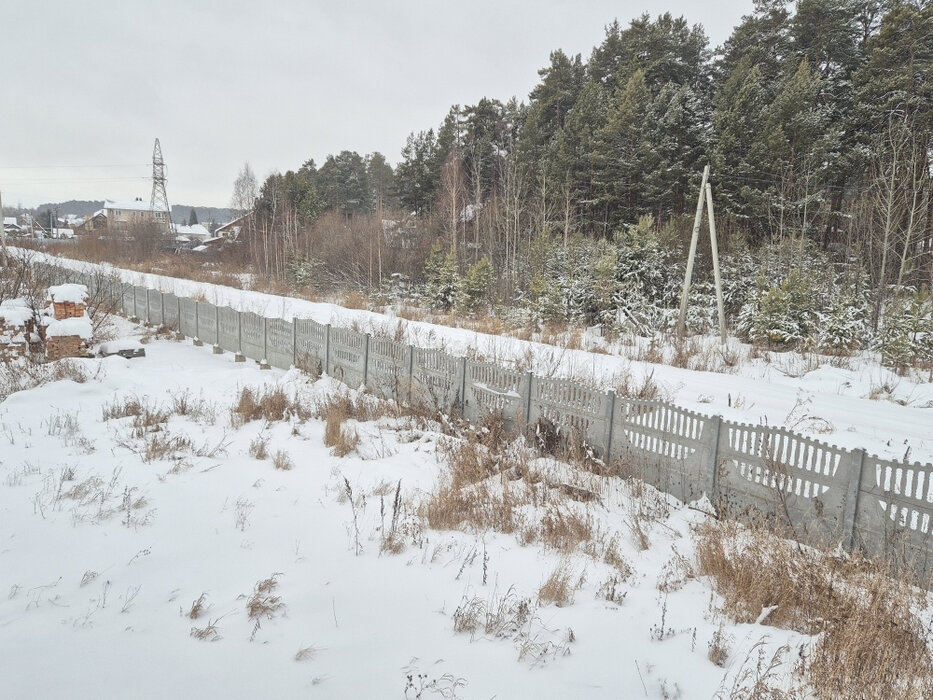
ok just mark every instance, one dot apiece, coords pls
pixel 69 329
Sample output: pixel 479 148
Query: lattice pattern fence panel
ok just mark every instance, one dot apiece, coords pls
pixel 436 379
pixel 311 345
pixel 252 332
pixel 491 388
pixel 207 323
pixel 228 329
pixel 280 348
pixel 389 373
pixel 895 513
pixel 347 359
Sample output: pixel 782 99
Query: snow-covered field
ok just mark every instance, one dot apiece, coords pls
pixel 855 403
pixel 104 549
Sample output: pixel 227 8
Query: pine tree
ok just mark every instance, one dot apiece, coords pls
pixel 192 217
pixel 620 152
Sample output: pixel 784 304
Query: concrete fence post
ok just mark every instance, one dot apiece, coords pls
pixel 327 349
pixel 462 389
pixel 529 381
pixel 265 344
pixel 217 349
pixel 197 324
pixel 411 369
pixel 239 356
pixel 135 310
pixel 850 507
pixel 366 360
pixel 162 304
pixel 294 341
pixel 712 468
pixel 610 414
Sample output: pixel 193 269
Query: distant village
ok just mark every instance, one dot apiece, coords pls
pixel 121 219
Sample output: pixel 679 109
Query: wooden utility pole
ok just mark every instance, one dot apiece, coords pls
pixel 714 244
pixel 682 320
pixel 706 196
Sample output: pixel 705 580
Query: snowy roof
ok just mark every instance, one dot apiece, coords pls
pixel 197 230
pixel 133 205
pixel 14 315
pixel 62 293
pixel 10 221
pixel 62 233
pixel 71 326
pixel 99 212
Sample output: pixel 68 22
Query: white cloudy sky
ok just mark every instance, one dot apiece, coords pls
pixel 93 83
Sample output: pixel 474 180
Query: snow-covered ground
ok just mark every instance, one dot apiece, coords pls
pixel 104 549
pixel 857 405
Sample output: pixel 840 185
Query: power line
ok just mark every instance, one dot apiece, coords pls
pixel 52 167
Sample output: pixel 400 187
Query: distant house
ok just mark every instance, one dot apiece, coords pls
pixel 122 217
pixel 195 233
pixel 94 223
pixel 11 225
pixel 232 229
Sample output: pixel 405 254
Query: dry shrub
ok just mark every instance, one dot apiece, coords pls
pixel 871 642
pixel 282 461
pixel 559 586
pixel 269 403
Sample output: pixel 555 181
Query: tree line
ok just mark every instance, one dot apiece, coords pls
pixel 816 119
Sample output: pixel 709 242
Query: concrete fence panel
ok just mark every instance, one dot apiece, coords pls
pixel 189 317
pixel 228 329
pixel 388 373
pixel 310 345
pixel 491 388
pixel 895 513
pixel 797 483
pixel 128 299
pixel 141 300
pixel 579 414
pixel 207 323
pixel 347 356
pixel 667 446
pixel 280 348
pixel 436 380
pixel 252 336
pixel 156 317
pixel 170 306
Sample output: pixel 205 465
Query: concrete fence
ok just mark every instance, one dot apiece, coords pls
pixel 816 493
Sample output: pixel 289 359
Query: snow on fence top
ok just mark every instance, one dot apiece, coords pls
pixel 80 326
pixel 64 293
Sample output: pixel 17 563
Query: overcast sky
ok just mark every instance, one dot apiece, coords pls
pixel 90 85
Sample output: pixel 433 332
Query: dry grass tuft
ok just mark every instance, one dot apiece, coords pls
pixel 560 586
pixel 258 448
pixel 198 607
pixel 871 641
pixel 282 461
pixel 208 633
pixel 262 603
